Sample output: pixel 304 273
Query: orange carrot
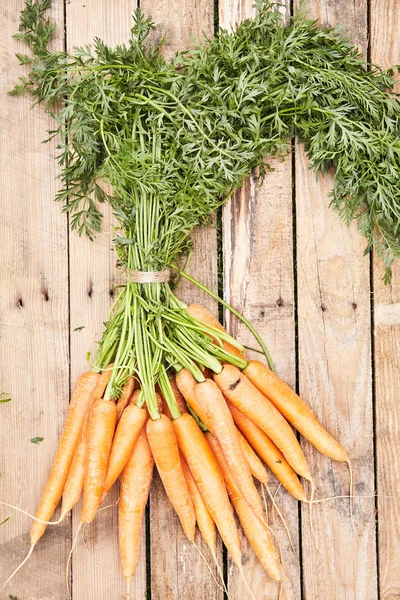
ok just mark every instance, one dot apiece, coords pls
pixel 74 485
pixel 250 401
pixel 213 403
pixel 202 314
pixel 103 418
pixel 164 446
pixel 126 434
pixel 294 409
pixel 203 517
pixel 135 397
pixel 165 410
pixel 209 480
pixel 187 386
pixel 135 486
pixel 180 400
pixel 255 529
pixel 78 408
pixel 257 469
pixel 159 403
pixel 104 378
pixel 125 397
pixel 270 454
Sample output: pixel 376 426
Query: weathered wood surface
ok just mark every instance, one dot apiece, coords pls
pixel 335 374
pixel 385 48
pixel 51 282
pixel 258 281
pixel 33 326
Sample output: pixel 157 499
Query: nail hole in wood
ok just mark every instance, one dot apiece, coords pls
pixel 111 292
pixel 323 307
pixel 354 305
pixel 262 313
pixel 45 295
pixel 280 302
pixel 90 289
pixel 20 304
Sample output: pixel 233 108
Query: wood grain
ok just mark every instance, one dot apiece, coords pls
pixel 258 281
pixel 335 370
pixel 385 50
pixel 177 569
pixel 92 272
pixel 33 325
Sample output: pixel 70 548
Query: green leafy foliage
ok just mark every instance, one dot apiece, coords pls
pixel 173 139
pixel 4 397
pixel 36 440
pixel 188 132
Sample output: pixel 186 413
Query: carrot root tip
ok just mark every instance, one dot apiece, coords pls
pixel 282 518
pixel 353 525
pixel 128 588
pixel 24 512
pixel 241 571
pixel 69 560
pixel 27 557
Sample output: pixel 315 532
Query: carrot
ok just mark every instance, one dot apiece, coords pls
pixel 202 314
pixel 187 386
pixel 165 410
pixel 255 529
pixel 164 447
pixel 159 403
pixel 126 434
pixel 213 403
pixel 78 408
pixel 180 400
pixel 257 469
pixel 125 397
pixel 294 409
pixel 103 418
pixel 209 480
pixel 270 454
pixel 135 486
pixel 104 378
pixel 135 397
pixel 75 481
pixel 203 517
pixel 74 485
pixel 250 401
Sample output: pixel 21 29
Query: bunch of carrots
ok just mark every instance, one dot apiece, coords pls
pixel 173 139
pixel 208 443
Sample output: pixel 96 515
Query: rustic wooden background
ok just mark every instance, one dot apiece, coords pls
pixel 289 263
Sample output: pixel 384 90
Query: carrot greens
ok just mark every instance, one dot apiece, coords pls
pixel 175 138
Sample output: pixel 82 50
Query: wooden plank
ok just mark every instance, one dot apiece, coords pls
pixel 385 50
pixel 258 281
pixel 335 370
pixel 176 567
pixel 33 325
pixel 93 271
